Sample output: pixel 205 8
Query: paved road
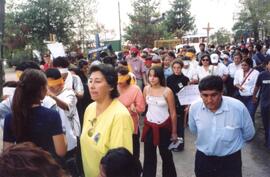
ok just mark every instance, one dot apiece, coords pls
pixel 255 157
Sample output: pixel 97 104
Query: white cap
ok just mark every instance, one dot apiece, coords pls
pixel 214 58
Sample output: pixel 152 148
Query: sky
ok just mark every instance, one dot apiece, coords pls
pixel 219 13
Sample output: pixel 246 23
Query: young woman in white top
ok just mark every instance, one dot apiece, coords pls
pixel 245 80
pixel 159 124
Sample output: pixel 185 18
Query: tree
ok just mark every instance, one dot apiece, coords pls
pixel 221 37
pixel 84 19
pixel 179 19
pixel 143 28
pixel 253 17
pixel 44 17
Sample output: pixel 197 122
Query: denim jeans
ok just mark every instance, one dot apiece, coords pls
pixel 247 100
pixel 265 113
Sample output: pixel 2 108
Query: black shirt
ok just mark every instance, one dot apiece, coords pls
pixel 176 83
pixel 44 124
pixel 263 82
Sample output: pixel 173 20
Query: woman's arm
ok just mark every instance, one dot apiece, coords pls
pixel 60 145
pixel 139 102
pixel 172 111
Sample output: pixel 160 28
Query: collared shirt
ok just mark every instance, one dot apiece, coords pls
pixel 222 132
pixel 167 72
pixel 249 83
pixel 138 67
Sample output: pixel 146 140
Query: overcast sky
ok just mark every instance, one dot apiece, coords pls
pixel 219 13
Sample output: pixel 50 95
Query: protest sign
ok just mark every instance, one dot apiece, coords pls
pixel 188 94
pixel 56 49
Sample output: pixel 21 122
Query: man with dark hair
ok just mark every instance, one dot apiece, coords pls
pixel 222 125
pixel 263 86
pixel 201 52
pixel 259 58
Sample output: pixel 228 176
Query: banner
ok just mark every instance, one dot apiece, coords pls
pixel 189 94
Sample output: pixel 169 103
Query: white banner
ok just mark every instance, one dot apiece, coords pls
pixel 188 94
pixel 56 49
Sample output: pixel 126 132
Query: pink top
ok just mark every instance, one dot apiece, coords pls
pixel 133 95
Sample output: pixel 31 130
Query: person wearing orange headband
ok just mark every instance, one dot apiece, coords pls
pixel 131 96
pixel 66 103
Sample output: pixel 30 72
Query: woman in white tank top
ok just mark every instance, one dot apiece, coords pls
pixel 159 124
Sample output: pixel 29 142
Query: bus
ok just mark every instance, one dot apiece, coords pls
pixel 193 40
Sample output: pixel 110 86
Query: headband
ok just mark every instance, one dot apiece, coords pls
pixel 18 74
pixel 54 82
pixel 123 78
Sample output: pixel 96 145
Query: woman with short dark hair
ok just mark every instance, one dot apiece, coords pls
pixel 107 122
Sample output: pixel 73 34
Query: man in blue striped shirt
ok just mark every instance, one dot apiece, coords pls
pixel 222 126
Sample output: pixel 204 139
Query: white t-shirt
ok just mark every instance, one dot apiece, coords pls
pixel 219 70
pixel 249 84
pixel 70 118
pixel 233 68
pixel 190 73
pixel 202 72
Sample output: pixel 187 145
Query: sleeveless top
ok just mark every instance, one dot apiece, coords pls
pixel 158 111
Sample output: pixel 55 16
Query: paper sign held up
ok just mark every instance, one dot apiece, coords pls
pixel 188 94
pixel 56 49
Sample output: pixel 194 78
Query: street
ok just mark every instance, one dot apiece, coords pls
pixel 255 157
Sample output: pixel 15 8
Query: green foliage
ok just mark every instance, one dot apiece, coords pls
pixel 19 56
pixel 141 31
pixel 179 19
pixel 33 21
pixel 221 37
pixel 84 19
pixel 253 17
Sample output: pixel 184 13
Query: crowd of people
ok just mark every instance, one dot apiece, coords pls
pixel 83 115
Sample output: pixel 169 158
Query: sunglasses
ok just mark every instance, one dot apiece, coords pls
pixel 205 60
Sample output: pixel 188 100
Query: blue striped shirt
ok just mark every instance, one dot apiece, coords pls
pixel 222 132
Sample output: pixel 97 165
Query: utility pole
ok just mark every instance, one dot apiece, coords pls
pixel 120 30
pixel 2 23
